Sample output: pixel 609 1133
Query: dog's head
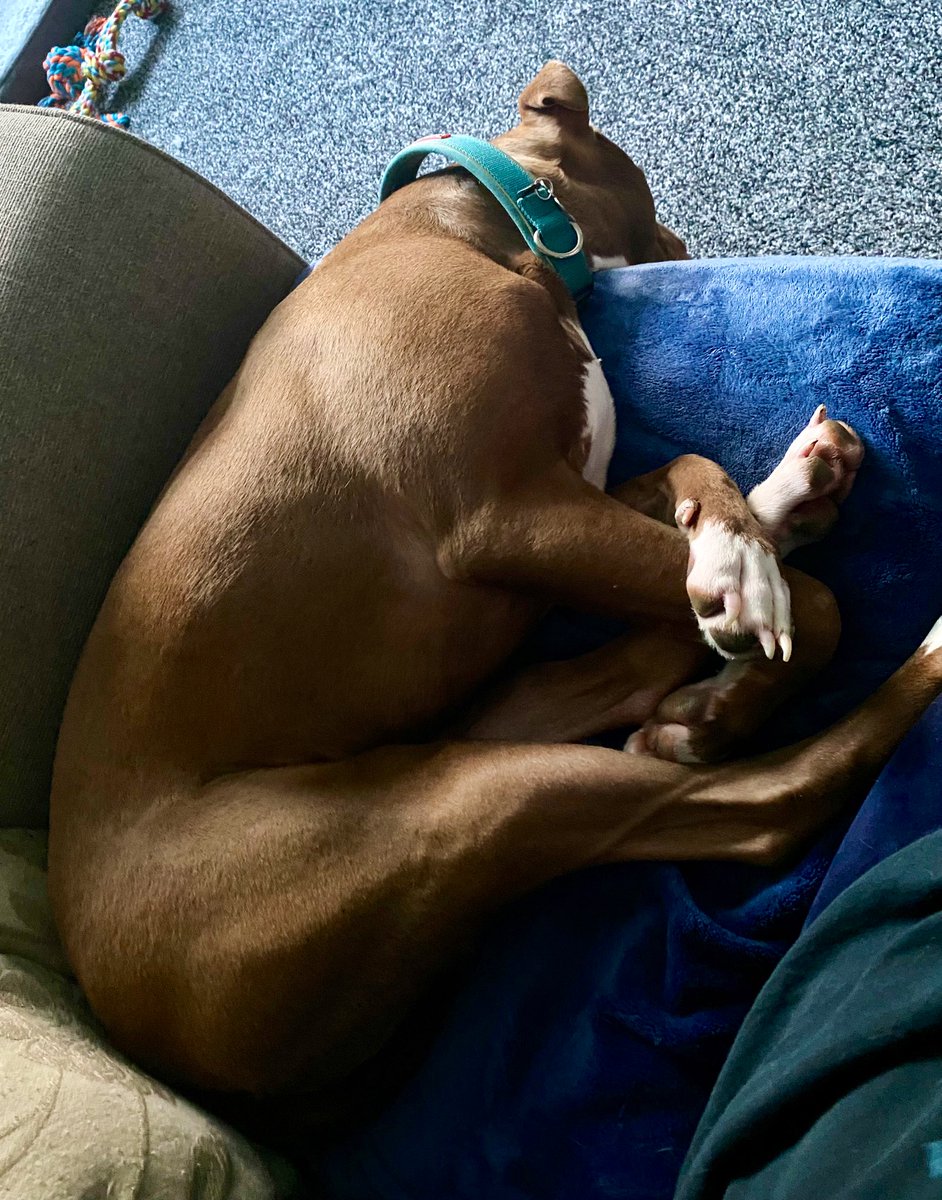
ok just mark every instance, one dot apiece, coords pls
pixel 596 182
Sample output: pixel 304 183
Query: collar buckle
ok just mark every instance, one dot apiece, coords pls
pixel 542 188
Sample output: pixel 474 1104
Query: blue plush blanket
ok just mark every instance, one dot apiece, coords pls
pixel 586 1036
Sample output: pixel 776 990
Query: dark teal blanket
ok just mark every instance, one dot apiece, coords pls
pixel 580 1050
pixel 834 1086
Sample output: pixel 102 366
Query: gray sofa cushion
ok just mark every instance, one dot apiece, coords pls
pixel 129 290
pixel 76 1118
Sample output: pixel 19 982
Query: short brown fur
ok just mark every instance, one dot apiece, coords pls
pixel 258 859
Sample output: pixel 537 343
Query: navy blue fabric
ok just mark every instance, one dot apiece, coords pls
pixel 589 1029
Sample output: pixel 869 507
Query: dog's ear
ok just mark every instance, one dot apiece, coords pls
pixel 555 94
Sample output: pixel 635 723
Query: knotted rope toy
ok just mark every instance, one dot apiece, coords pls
pixel 79 74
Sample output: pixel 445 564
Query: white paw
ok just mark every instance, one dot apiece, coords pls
pixel 798 502
pixel 737 593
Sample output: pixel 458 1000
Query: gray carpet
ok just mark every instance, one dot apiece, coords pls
pixel 798 126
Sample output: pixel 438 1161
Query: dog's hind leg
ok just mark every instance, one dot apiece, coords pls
pixel 277 925
pixel 616 686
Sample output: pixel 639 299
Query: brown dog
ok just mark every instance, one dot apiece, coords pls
pixel 258 857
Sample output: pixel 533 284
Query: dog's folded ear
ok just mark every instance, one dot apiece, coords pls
pixel 555 93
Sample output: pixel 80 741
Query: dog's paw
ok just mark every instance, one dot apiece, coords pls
pixel 671 742
pixel 699 723
pixel 798 502
pixel 737 591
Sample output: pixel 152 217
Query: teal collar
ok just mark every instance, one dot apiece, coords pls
pixel 547 228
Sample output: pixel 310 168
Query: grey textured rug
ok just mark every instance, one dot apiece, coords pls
pixel 801 126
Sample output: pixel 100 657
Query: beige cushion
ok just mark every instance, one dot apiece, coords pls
pixel 76 1119
pixel 129 290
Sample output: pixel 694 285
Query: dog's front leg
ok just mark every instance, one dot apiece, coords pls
pixel 797 503
pixel 625 556
pixel 570 543
pixel 567 542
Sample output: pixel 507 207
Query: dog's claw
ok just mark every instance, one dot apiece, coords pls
pixel 767 642
pixel 785 641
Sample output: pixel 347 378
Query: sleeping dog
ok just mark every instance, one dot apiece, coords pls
pixel 263 848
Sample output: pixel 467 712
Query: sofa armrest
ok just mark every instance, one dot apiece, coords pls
pixel 129 290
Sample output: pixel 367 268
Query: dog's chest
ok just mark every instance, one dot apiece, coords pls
pixel 599 412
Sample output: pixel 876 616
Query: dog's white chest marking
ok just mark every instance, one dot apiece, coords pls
pixel 607 262
pixel 599 412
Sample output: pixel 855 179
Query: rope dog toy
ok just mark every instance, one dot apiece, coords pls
pixel 79 74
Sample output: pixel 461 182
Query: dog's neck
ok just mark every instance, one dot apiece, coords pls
pixel 452 203
pixel 465 209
